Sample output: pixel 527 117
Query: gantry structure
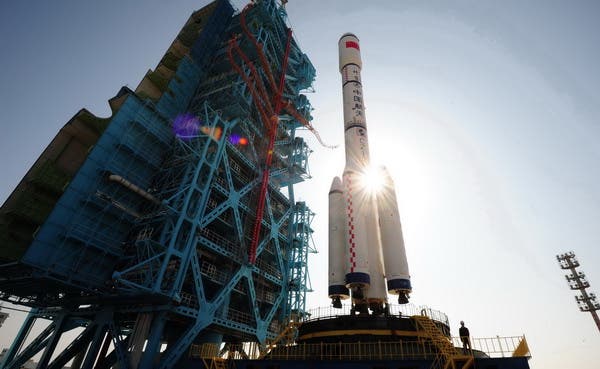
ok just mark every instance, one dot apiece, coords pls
pixel 174 221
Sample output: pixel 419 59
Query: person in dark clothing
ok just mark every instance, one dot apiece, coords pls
pixel 463 332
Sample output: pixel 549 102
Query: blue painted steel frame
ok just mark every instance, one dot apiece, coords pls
pixel 144 256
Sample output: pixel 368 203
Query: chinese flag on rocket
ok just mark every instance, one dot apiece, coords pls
pixel 352 44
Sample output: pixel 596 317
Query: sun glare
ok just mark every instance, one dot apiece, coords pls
pixel 372 179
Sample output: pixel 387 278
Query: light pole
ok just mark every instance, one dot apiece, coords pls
pixel 587 302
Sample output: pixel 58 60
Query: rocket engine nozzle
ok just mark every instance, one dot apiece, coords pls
pixel 403 298
pixel 336 302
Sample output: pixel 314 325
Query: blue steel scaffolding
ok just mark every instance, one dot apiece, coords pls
pixel 144 245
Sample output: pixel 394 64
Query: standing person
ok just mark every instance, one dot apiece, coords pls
pixel 463 332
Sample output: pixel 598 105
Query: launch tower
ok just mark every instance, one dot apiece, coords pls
pixel 174 220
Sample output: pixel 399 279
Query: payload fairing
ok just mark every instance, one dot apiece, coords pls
pixel 366 247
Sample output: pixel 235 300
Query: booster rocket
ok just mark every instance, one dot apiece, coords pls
pixel 366 247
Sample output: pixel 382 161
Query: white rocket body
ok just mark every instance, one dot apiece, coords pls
pixel 355 127
pixel 373 246
pixel 358 203
pixel 337 243
pixel 392 241
pixel 377 291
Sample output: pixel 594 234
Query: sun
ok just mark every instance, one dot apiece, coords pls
pixel 372 179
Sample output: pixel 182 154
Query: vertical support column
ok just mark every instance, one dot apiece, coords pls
pixel 154 342
pixel 138 338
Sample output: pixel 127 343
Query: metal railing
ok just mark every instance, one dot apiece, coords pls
pixel 496 346
pixel 328 312
pixel 354 351
pixel 399 350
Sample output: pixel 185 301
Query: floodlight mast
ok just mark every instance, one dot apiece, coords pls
pixel 577 281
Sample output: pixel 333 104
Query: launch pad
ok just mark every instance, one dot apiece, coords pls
pixel 405 334
pixel 409 336
pixel 340 325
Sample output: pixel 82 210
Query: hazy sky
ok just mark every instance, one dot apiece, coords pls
pixel 485 113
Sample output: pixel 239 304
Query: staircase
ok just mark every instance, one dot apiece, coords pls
pixel 447 356
pixel 215 363
pixel 219 363
pixel 285 336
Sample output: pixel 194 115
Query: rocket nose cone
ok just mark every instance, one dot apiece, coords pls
pixel 349 50
pixel 346 35
pixel 336 184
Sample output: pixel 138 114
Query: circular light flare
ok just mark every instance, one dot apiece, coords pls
pixel 238 140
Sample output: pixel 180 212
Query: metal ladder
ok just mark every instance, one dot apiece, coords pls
pixel 447 357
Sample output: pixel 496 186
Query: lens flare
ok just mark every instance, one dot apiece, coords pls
pixel 214 132
pixel 238 140
pixel 186 126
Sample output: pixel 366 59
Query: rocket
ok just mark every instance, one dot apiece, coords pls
pixel 367 257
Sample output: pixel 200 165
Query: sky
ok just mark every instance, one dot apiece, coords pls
pixel 484 112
